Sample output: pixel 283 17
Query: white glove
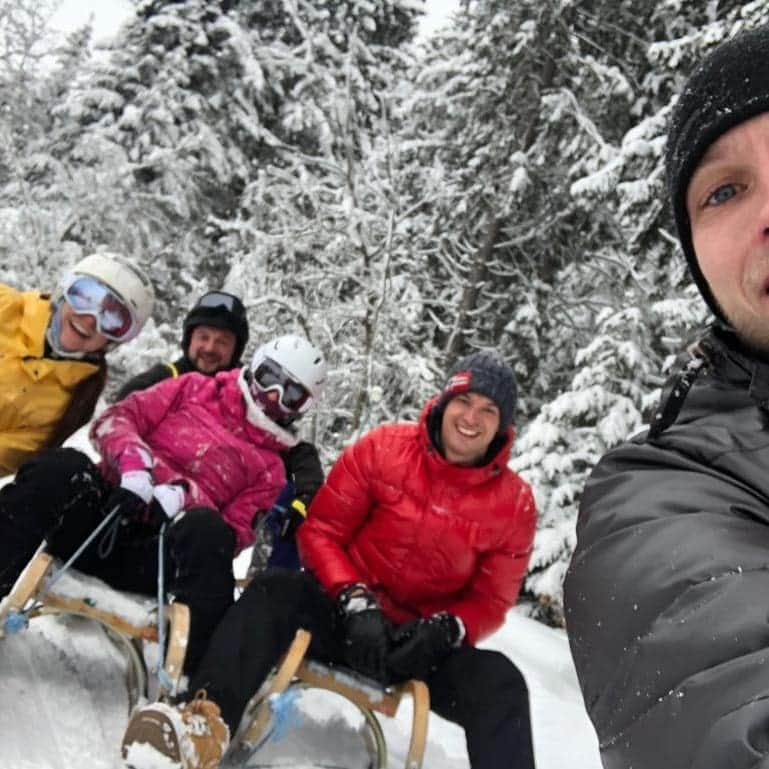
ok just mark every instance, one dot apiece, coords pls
pixel 139 482
pixel 170 496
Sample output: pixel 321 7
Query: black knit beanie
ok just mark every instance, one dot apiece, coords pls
pixel 730 86
pixel 484 373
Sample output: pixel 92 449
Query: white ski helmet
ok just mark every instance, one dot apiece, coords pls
pixel 299 358
pixel 124 278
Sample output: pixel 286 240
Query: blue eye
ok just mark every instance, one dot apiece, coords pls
pixel 722 194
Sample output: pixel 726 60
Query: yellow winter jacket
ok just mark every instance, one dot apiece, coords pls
pixel 34 391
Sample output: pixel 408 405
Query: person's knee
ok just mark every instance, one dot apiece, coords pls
pixel 296 600
pixel 295 586
pixel 202 526
pixel 63 464
pixel 503 673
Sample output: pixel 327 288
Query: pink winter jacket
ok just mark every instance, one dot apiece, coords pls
pixel 195 429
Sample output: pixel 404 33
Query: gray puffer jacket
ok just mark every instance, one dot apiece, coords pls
pixel 667 595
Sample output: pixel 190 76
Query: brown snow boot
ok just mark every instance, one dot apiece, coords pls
pixel 189 736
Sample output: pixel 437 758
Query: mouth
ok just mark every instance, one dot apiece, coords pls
pixel 80 330
pixel 467 432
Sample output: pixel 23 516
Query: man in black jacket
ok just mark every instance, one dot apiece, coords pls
pixel 667 594
pixel 214 335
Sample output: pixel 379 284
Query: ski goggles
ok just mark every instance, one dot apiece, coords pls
pixel 269 375
pixel 230 303
pixel 89 296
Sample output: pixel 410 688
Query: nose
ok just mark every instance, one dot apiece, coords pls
pixel 763 192
pixel 87 321
pixel 272 395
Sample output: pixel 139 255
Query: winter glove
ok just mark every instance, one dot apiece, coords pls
pixel 420 645
pixel 131 496
pixel 367 631
pixel 167 500
pixel 139 482
pixel 292 518
pixel 170 498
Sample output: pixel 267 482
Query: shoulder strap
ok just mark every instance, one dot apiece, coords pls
pixel 174 370
pixel 671 404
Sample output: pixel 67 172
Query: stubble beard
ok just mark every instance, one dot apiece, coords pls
pixel 752 332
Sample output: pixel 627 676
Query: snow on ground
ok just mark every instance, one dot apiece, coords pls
pixel 64 705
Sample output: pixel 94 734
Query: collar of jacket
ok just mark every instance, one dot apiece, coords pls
pixel 36 312
pixel 185 366
pixel 738 362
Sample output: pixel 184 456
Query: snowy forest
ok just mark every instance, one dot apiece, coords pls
pixel 401 201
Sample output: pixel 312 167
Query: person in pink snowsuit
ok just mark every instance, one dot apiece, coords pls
pixel 192 434
pixel 196 456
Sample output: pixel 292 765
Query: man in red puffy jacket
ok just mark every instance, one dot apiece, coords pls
pixel 415 549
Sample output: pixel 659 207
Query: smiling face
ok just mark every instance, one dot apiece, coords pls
pixel 470 422
pixel 728 206
pixel 78 333
pixel 211 349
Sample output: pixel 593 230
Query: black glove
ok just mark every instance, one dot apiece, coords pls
pixel 420 645
pixel 154 516
pixel 367 631
pixel 130 506
pixel 132 509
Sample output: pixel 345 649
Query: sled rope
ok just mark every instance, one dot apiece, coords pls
pixel 57 575
pixel 163 678
pixel 18 620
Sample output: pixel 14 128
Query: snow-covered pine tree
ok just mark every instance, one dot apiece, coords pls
pixel 643 309
pixel 250 145
pixel 29 231
pixel 321 226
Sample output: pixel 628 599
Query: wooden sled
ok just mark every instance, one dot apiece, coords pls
pixel 30 597
pixel 368 696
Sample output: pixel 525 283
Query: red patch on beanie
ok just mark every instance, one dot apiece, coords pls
pixel 459 383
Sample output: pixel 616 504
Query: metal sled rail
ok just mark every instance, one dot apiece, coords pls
pixel 369 697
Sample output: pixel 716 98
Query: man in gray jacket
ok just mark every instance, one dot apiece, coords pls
pixel 667 595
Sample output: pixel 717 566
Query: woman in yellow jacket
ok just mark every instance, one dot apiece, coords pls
pixel 52 367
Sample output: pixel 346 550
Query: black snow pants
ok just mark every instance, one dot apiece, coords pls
pixel 59 496
pixel 481 691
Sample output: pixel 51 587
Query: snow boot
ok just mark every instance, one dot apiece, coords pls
pixel 189 736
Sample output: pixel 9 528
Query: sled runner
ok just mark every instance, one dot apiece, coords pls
pixel 369 697
pixel 128 620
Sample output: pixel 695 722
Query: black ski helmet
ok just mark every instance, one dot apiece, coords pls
pixel 220 310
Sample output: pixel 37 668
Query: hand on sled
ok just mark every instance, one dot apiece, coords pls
pixel 419 646
pixel 366 632
pixel 128 505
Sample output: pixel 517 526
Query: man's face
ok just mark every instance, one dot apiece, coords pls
pixel 470 422
pixel 78 333
pixel 211 349
pixel 728 206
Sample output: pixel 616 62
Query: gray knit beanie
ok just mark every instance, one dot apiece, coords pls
pixel 730 86
pixel 484 373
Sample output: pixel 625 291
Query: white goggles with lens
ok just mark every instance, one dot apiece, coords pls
pixel 88 296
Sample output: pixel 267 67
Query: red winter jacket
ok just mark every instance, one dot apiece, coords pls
pixel 423 534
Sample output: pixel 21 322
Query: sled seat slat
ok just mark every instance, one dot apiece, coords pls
pixel 30 595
